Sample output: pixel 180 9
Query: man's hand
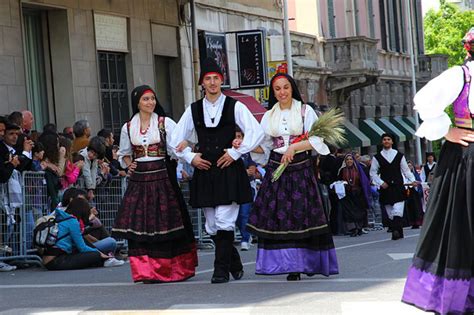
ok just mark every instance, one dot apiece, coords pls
pixel 460 136
pixel 182 145
pixel 236 143
pixel 200 163
pixel 28 145
pixel 415 183
pixel 225 160
pixel 15 161
pixel 384 186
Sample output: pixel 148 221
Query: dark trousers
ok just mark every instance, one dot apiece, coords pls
pixel 76 261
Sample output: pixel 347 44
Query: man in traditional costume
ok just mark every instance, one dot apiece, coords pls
pixel 220 182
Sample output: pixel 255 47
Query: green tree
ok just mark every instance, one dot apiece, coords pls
pixel 444 30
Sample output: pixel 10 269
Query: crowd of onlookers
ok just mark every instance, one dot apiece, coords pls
pixel 64 157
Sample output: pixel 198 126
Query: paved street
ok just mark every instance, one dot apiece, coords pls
pixel 371 279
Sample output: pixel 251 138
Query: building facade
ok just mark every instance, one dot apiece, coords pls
pixel 366 52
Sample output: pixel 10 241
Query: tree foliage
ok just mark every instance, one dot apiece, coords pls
pixel 444 30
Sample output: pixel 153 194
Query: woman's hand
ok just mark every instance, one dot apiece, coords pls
pixel 460 136
pixel 287 158
pixel 131 168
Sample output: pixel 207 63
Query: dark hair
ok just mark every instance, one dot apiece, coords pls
pixel 72 193
pixel 80 208
pixel 16 118
pixel 295 92
pixel 51 147
pixel 104 133
pixel 76 157
pixel 38 147
pixel 67 144
pixel 50 128
pixel 97 144
pixel 3 120
pixel 237 129
pixel 137 93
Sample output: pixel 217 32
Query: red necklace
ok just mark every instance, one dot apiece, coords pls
pixel 142 132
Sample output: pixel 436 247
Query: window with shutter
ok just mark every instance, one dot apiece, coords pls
pixel 331 17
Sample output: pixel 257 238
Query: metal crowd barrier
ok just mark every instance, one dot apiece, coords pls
pixel 17 221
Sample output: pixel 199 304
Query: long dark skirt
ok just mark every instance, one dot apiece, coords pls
pixel 289 220
pixel 414 208
pixel 354 209
pixel 441 276
pixel 153 218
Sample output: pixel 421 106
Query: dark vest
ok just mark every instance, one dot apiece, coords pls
pixel 391 174
pixel 218 186
pixel 428 171
pixel 213 140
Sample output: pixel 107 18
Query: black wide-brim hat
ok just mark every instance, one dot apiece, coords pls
pixel 209 65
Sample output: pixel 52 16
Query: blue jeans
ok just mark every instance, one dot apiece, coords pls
pixel 242 219
pixel 106 245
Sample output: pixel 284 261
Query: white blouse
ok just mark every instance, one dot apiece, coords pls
pixel 267 144
pixel 139 139
pixel 435 96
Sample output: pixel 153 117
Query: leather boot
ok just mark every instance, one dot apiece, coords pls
pixel 236 267
pixel 397 228
pixel 223 257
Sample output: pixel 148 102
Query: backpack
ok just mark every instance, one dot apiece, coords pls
pixel 46 231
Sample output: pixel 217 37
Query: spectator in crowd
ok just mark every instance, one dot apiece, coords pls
pixel 413 204
pixel 287 216
pixel 356 201
pixel 244 210
pixel 93 153
pixel 70 251
pixel 3 122
pixel 387 171
pixel 328 169
pixel 28 121
pixel 38 156
pixel 108 137
pixel 70 170
pixel 12 163
pixel 427 172
pixel 53 171
pixel 16 118
pixel 68 133
pixel 82 132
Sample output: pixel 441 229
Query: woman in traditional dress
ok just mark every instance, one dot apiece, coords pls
pixel 414 204
pixel 153 216
pixel 441 276
pixel 356 201
pixel 288 216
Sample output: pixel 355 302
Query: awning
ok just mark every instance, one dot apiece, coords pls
pixel 371 130
pixel 411 121
pixel 355 137
pixel 386 125
pixel 252 104
pixel 405 127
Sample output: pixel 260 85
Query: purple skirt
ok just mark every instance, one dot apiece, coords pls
pixel 290 222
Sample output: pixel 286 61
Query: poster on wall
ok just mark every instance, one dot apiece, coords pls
pixel 213 45
pixel 251 59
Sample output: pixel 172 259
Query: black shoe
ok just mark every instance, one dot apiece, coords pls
pixel 396 235
pixel 237 275
pixel 219 279
pixel 415 227
pixel 354 233
pixel 293 276
pixel 310 274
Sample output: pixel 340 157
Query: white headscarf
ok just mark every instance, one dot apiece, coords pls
pixel 295 123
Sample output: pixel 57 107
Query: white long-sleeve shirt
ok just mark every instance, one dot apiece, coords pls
pixel 389 155
pixel 152 133
pixel 185 129
pixel 267 145
pixel 434 97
